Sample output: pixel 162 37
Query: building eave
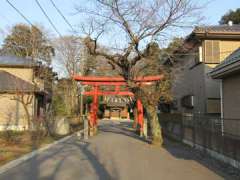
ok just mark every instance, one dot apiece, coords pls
pixel 225 71
pixel 218 35
pixel 17 66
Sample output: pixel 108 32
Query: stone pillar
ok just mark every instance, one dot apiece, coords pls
pixel 85 120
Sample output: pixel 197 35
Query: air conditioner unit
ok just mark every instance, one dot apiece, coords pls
pixel 188 101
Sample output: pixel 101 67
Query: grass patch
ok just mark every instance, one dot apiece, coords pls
pixel 15 144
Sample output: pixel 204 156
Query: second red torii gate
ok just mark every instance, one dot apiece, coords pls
pixel 96 81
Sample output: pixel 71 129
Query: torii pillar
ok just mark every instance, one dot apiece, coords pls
pixel 140 115
pixel 93 112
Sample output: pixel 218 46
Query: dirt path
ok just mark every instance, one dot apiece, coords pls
pixel 115 153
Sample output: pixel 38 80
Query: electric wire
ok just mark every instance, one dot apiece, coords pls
pixel 62 15
pixel 48 18
pixel 19 12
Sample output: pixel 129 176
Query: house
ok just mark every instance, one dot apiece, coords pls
pixel 194 91
pixel 228 72
pixel 23 92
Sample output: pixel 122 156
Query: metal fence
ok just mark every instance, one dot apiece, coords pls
pixel 209 132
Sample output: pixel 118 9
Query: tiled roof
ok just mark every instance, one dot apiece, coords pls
pixel 218 28
pixel 15 61
pixel 232 58
pixel 114 101
pixel 116 104
pixel 11 83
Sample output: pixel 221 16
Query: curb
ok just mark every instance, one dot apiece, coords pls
pixel 28 156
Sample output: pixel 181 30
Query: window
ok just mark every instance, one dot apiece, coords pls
pixel 213 105
pixel 211 51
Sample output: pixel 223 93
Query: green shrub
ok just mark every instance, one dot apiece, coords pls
pixel 59 106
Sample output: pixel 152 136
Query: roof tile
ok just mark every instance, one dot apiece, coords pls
pixel 218 28
pixel 11 83
pixel 232 58
pixel 15 61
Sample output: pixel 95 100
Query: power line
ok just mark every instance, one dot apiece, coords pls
pixel 49 20
pixel 61 14
pixel 19 12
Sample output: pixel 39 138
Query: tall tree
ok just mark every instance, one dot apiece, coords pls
pixel 231 15
pixel 71 56
pixel 137 26
pixel 169 53
pixel 28 41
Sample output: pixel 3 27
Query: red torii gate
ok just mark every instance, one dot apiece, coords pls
pixel 95 82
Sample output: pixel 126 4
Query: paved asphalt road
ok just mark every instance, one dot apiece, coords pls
pixel 115 153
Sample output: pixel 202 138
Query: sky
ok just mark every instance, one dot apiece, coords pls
pixel 213 11
pixel 8 16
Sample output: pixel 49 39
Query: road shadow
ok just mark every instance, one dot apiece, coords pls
pixel 181 151
pixel 32 169
pixel 93 158
pixel 84 147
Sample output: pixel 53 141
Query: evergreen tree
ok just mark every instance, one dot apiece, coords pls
pixel 233 16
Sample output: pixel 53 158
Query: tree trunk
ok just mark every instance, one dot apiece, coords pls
pixel 155 126
pixel 25 107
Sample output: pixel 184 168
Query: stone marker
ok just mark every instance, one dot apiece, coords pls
pixel 61 126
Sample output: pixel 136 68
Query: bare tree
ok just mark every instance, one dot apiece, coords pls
pixel 71 55
pixel 139 24
pixel 69 51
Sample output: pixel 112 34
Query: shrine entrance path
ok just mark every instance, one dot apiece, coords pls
pixel 115 153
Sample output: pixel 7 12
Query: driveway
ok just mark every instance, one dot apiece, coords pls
pixel 115 153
